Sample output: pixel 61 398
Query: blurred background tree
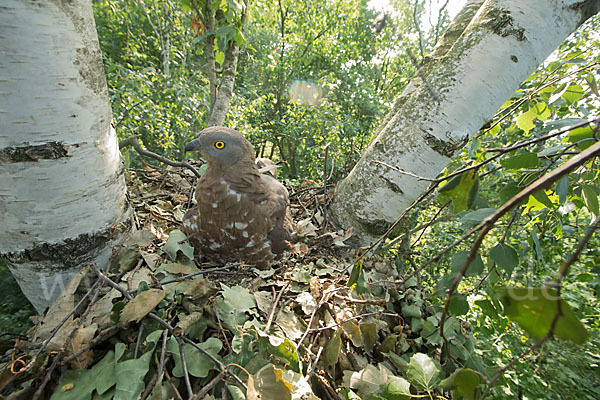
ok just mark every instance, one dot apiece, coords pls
pixel 309 74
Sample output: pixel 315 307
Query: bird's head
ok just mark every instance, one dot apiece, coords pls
pixel 221 145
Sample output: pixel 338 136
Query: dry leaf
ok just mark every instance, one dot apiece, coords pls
pixel 141 305
pixel 82 337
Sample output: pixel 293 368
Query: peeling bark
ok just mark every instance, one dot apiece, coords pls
pixel 489 49
pixel 63 191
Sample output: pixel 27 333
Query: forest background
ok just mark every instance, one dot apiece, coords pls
pixel 311 76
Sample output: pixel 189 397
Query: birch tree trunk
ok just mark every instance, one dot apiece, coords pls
pixel 62 191
pixel 489 49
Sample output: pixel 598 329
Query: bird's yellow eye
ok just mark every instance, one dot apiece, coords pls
pixel 219 145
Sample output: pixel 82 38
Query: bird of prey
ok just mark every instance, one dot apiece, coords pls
pixel 241 213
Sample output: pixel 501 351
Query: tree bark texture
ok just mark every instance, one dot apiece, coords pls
pixel 489 49
pixel 62 196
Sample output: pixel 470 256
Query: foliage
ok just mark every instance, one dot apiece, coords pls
pixel 154 72
pixel 309 75
pixel 503 297
pixel 15 310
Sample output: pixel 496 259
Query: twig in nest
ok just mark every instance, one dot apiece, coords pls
pixel 133 141
pixel 313 364
pixel 40 389
pixel 274 306
pixel 219 363
pixel 186 376
pixel 351 319
pixel 221 330
pixel 204 391
pixel 139 339
pixel 163 352
pixel 179 397
pixel 360 301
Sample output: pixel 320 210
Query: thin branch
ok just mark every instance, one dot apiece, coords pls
pixel 133 141
pixel 313 365
pixel 352 319
pixel 204 391
pixel 418 27
pixel 186 375
pixel 216 361
pixel 400 170
pixel 274 307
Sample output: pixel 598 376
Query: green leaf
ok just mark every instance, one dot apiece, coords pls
pixel 220 57
pixel 233 307
pixel 354 274
pixel 178 242
pixel 411 310
pixel 591 80
pixel 461 190
pixel 104 373
pixel 466 382
pixel 459 259
pixel 396 388
pixel 535 309
pixel 332 349
pixel 286 352
pixel 487 307
pixel 583 136
pixel 463 383
pixel 398 361
pixel 521 161
pixel 74 385
pixel 197 363
pixel 538 110
pixel 505 257
pixel 542 197
pixel 525 120
pixel 476 217
pixel 573 93
pixel 130 376
pixel 562 189
pixel 357 278
pixel 369 334
pixel 591 199
pixel 423 372
pixel 227 31
pixel 538 246
pixel 459 304
pixel 239 297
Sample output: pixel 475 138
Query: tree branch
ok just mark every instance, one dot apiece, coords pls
pixel 133 141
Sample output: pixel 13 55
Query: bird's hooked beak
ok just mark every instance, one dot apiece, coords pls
pixel 194 145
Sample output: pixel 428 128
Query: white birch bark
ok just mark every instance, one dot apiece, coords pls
pixel 492 47
pixel 62 186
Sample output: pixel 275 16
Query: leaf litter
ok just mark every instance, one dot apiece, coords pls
pixel 159 325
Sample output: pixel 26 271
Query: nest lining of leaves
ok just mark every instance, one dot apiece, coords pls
pixel 159 325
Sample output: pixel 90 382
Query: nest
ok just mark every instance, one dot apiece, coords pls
pixel 160 325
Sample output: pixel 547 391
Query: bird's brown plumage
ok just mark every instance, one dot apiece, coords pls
pixel 240 213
